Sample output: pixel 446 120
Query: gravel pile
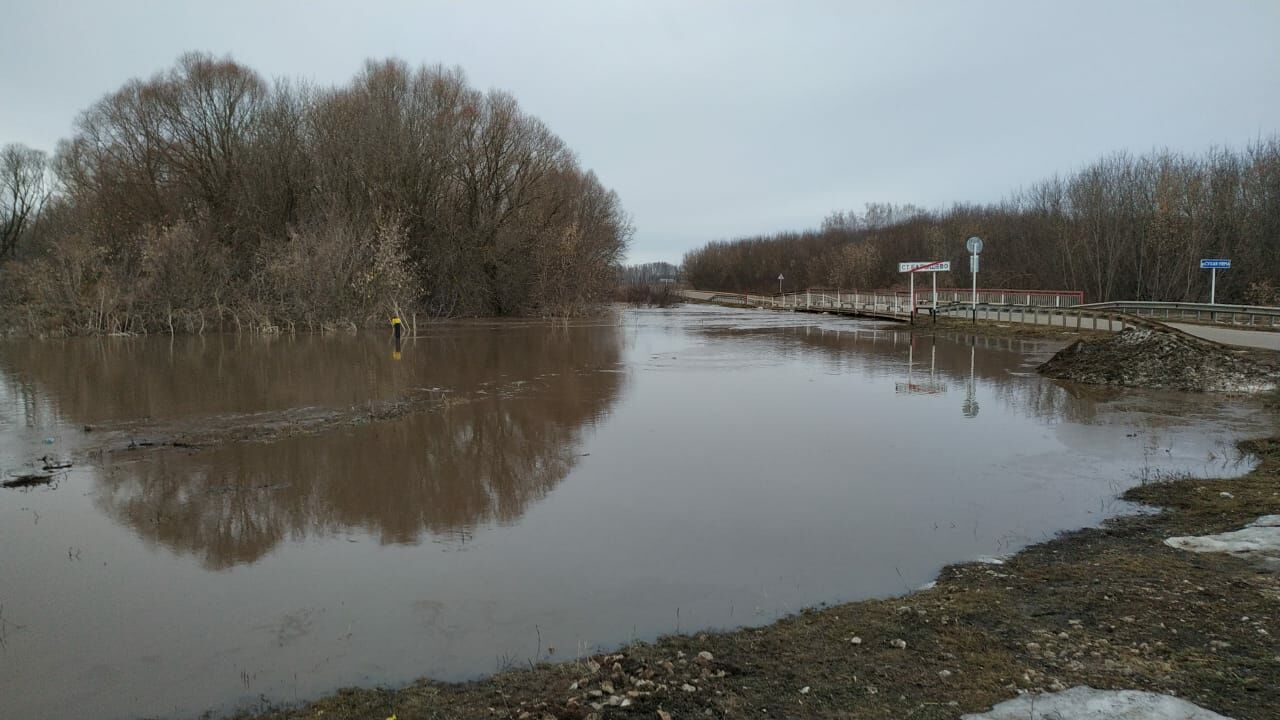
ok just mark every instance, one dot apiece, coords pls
pixel 1141 357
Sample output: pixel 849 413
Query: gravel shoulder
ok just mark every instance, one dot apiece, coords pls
pixel 1164 358
pixel 1110 607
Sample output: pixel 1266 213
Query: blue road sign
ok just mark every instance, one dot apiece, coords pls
pixel 1215 264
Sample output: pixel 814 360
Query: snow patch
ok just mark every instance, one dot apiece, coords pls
pixel 1257 540
pixel 1085 703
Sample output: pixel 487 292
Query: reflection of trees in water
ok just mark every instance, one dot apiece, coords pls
pixel 944 357
pixel 481 459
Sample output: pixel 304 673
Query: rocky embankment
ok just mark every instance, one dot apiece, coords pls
pixel 1150 358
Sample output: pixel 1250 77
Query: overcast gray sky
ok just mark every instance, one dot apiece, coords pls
pixel 720 119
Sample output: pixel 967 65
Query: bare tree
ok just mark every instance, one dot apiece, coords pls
pixel 24 188
pixel 200 192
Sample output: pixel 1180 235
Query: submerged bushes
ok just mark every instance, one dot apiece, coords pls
pixel 204 196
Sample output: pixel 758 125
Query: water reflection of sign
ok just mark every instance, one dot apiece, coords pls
pixel 970 406
pixel 921 386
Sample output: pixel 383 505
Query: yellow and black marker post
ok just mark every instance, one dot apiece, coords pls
pixel 396 327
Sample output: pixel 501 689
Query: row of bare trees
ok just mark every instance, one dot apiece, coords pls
pixel 207 195
pixel 1123 228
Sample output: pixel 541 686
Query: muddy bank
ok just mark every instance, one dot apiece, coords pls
pixel 1168 359
pixel 265 426
pixel 270 426
pixel 1113 607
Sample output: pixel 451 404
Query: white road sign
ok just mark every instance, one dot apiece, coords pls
pixel 929 266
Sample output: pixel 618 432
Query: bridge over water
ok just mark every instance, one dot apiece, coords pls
pixel 1239 325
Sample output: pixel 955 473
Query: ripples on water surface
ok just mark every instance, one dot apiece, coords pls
pixel 576 486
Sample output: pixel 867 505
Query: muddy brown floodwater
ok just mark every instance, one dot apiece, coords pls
pixel 539 491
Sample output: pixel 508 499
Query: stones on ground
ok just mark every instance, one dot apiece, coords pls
pixel 1086 703
pixel 899 643
pixel 664 715
pixel 621 682
pixel 855 640
pixel 944 674
pixel 804 690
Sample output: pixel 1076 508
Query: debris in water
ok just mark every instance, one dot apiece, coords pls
pixel 26 480
pixel 51 465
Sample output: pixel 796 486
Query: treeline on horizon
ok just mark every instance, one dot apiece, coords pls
pixel 1123 228
pixel 206 197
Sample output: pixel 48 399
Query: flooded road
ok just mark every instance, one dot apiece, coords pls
pixel 550 489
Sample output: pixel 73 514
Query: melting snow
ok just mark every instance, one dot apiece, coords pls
pixel 1085 703
pixel 1259 539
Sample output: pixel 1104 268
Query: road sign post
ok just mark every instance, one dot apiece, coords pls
pixel 933 266
pixel 1213 266
pixel 974 246
pixel 779 283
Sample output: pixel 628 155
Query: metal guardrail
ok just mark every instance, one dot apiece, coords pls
pixel 1072 318
pixel 1106 317
pixel 924 296
pixel 893 304
pixel 1248 315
